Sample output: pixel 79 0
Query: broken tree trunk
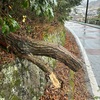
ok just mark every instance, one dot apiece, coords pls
pixel 44 66
pixel 26 48
pixel 23 46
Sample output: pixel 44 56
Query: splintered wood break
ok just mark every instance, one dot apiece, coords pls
pixel 54 80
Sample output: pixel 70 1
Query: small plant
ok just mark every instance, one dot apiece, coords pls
pixel 8 24
pixel 57 37
pixel 96 98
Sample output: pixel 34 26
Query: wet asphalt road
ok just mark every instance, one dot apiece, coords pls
pixel 90 39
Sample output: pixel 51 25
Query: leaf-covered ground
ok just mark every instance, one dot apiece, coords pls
pixel 73 85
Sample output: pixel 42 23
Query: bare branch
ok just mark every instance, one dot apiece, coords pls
pixel 21 45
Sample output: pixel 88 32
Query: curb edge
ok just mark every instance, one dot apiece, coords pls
pixel 92 84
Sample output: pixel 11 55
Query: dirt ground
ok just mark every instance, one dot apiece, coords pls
pixel 73 86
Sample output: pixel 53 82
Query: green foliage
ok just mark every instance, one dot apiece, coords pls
pixel 13 25
pixel 8 25
pixel 14 97
pixel 96 98
pixel 58 38
pixel 95 20
pixel 72 85
pixel 5 28
pixel 43 7
pixel 25 3
pixel 17 82
pixel 63 9
pixel 98 12
pixel 1 21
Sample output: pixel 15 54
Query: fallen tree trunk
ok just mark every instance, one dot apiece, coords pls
pixel 38 61
pixel 22 46
pixel 26 48
pixel 44 66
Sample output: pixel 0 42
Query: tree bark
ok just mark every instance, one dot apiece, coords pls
pixel 44 66
pixel 24 46
pixel 38 61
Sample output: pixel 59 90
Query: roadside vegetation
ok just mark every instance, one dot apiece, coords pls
pixel 29 31
pixel 95 20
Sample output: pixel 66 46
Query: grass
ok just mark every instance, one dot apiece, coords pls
pixel 58 38
pixel 71 86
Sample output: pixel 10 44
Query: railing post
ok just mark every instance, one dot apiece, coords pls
pixel 86 11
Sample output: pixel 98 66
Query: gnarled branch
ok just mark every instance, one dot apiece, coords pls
pixel 22 45
pixel 44 66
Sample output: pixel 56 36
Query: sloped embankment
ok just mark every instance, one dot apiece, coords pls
pixel 73 86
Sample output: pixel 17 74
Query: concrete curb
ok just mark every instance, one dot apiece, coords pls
pixel 91 83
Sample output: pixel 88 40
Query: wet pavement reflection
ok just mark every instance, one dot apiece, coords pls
pixel 90 39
